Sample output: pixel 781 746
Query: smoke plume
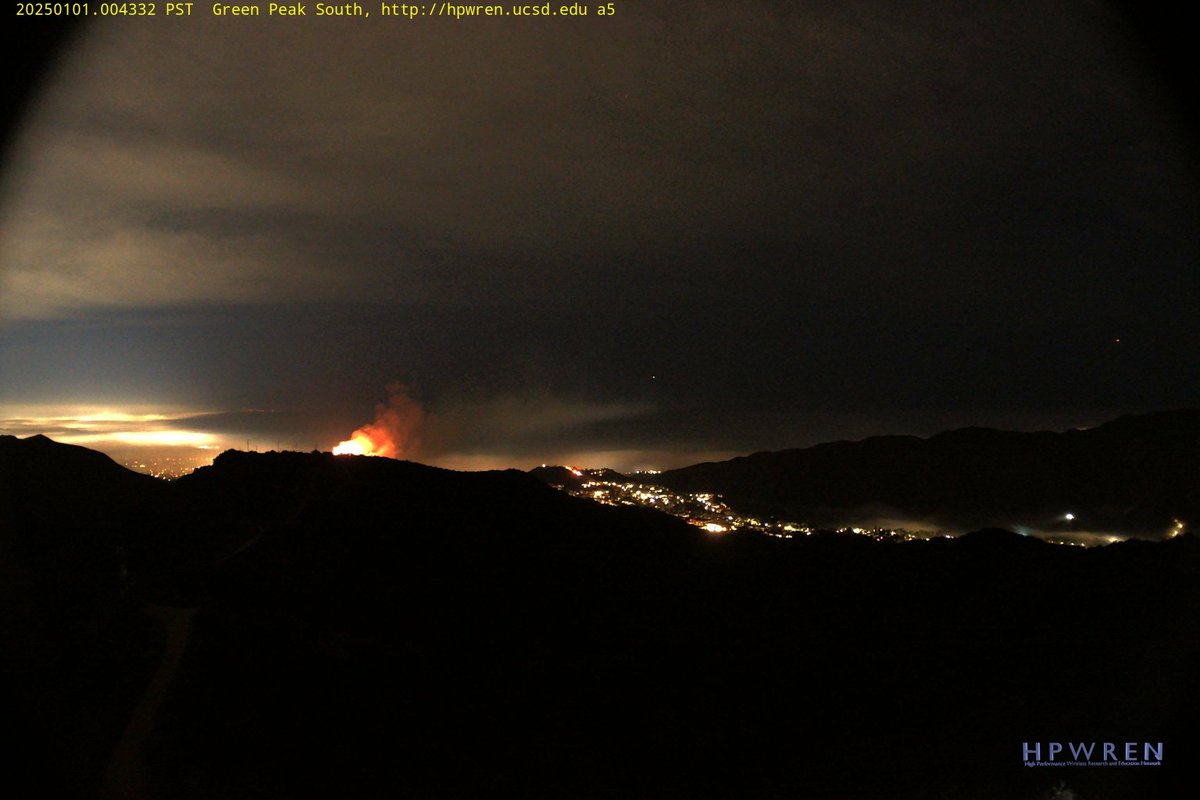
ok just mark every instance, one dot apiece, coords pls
pixel 396 431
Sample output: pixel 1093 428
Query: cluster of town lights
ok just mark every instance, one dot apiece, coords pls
pixel 710 513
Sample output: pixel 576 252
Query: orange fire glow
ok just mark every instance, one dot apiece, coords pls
pixel 393 434
pixel 357 445
pixel 368 441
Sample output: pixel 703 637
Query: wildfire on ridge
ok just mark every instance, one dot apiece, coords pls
pixel 393 434
pixel 361 444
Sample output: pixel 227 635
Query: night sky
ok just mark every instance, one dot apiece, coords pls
pixel 687 231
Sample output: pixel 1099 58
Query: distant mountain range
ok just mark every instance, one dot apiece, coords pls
pixel 1134 475
pixel 298 624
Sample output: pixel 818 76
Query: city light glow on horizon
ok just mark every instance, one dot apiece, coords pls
pixel 158 440
pixel 97 425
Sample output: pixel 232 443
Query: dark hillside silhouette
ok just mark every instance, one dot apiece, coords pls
pixel 74 650
pixel 1135 475
pixel 365 627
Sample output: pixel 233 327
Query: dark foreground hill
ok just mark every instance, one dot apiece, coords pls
pixel 284 625
pixel 1134 475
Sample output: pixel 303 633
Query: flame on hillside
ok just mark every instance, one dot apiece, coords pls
pixel 395 433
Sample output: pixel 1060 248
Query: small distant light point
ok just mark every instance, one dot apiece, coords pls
pixel 1068 516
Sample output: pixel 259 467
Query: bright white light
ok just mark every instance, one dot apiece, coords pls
pixel 1068 516
pixel 350 447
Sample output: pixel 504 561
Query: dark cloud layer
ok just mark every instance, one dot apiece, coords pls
pixel 705 225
